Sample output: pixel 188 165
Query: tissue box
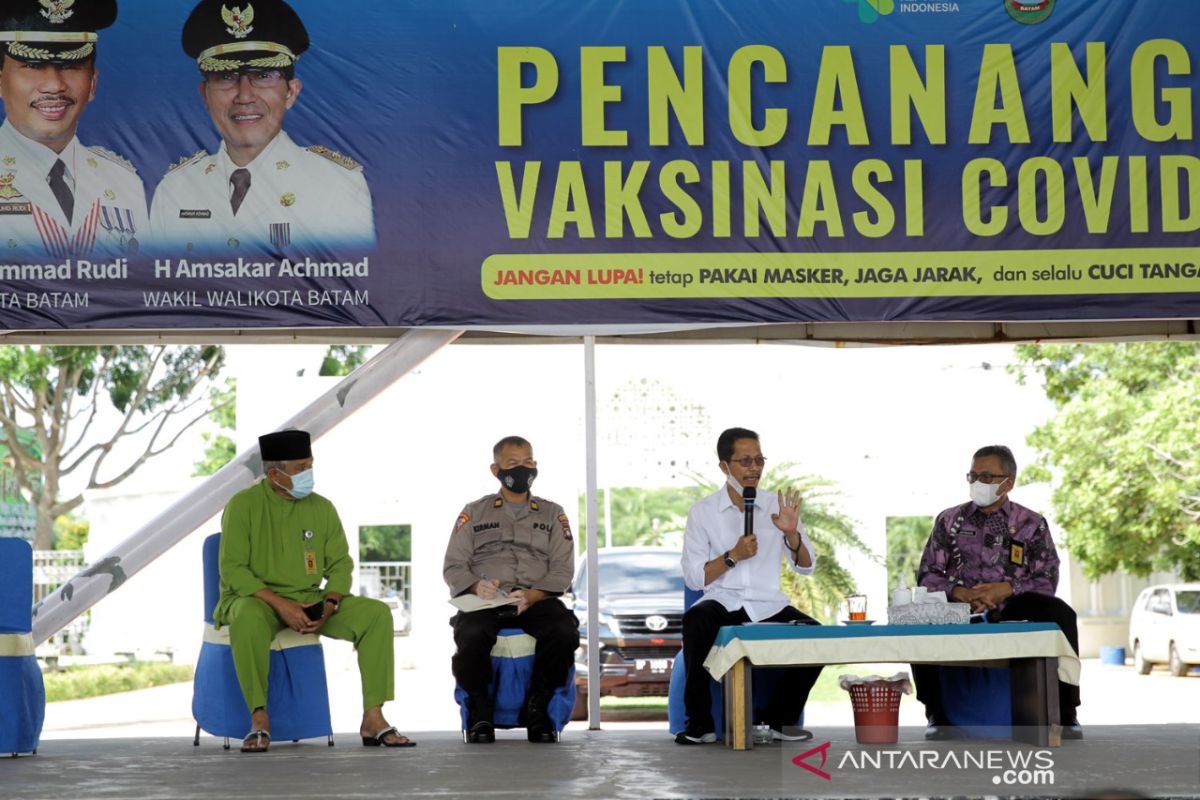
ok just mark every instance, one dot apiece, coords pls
pixel 929 614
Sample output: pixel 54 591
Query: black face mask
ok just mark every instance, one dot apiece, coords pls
pixel 517 479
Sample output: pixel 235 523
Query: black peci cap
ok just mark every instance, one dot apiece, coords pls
pixel 285 446
pixel 53 30
pixel 223 37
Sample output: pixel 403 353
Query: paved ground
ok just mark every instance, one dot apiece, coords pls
pixel 1142 733
pixel 1161 761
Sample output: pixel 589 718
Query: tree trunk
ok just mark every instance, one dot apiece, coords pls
pixel 43 539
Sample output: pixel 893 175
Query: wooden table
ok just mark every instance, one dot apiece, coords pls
pixel 1037 653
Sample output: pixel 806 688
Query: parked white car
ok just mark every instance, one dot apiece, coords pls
pixel 1165 628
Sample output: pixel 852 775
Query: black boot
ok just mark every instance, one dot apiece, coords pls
pixel 538 727
pixel 480 709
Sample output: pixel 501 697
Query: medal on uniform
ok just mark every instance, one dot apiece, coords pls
pixel 7 190
pixel 118 224
pixel 281 234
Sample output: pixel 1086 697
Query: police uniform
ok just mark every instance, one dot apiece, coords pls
pixel 521 546
pixel 95 206
pixel 289 196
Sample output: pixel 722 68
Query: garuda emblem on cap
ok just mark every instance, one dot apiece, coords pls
pixel 57 11
pixel 237 20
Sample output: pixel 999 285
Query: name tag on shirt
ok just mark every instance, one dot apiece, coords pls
pixel 310 562
pixel 1016 554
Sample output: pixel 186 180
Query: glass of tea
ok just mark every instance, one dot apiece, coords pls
pixel 856 605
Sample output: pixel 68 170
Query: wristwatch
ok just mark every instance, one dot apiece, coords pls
pixel 729 562
pixel 333 603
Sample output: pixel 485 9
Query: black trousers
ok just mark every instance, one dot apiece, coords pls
pixel 700 626
pixel 549 621
pixel 1028 607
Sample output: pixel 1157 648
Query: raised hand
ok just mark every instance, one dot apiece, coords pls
pixel 788 518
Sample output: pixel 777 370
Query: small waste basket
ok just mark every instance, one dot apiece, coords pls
pixel 876 702
pixel 1112 655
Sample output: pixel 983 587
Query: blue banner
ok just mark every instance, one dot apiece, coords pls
pixel 509 163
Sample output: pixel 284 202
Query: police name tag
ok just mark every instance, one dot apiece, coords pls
pixel 310 562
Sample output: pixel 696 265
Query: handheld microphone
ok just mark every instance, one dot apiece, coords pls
pixel 749 493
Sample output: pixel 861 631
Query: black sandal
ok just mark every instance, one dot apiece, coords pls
pixel 378 739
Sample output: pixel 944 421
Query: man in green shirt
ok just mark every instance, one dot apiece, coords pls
pixel 278 542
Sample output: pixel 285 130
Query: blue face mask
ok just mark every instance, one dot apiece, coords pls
pixel 302 484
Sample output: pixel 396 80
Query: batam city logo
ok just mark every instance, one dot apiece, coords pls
pixel 1030 13
pixel 871 10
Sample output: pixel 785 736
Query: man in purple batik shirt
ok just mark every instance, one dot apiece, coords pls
pixel 999 557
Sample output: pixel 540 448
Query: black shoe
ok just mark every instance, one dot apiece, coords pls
pixel 482 732
pixel 694 735
pixel 541 734
pixel 1072 729
pixel 938 728
pixel 538 727
pixel 480 709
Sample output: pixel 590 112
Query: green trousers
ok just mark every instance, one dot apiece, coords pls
pixel 366 622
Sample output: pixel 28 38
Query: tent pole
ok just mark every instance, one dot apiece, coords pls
pixel 185 515
pixel 593 557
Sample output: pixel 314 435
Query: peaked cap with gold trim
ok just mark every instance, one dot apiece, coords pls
pixel 228 35
pixel 53 30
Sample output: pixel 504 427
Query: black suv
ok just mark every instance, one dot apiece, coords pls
pixel 641 621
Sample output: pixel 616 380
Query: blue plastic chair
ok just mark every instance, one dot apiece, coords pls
pixel 977 701
pixel 297 693
pixel 22 693
pixel 512 670
pixel 763 683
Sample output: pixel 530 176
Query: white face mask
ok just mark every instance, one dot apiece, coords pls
pixel 737 487
pixel 984 494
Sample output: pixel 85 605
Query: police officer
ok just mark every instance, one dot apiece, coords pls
pixel 260 189
pixel 59 198
pixel 514 543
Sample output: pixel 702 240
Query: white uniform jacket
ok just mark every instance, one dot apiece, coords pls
pixel 109 215
pixel 311 198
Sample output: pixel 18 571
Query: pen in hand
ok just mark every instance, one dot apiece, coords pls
pixel 487 589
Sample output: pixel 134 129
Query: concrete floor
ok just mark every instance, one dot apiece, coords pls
pixel 1157 760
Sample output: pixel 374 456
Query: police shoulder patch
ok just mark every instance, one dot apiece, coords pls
pixel 566 526
pixel 183 162
pixel 340 159
pixel 463 519
pixel 113 157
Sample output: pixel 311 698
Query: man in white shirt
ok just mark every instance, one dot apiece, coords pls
pixel 740 578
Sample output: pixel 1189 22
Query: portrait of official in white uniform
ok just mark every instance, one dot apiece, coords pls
pixel 260 190
pixel 59 199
